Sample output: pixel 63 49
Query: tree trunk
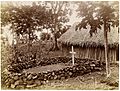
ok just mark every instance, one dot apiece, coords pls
pixel 106 50
pixel 55 43
pixel 55 36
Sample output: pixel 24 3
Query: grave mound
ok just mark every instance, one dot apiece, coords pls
pixel 52 69
pixel 19 67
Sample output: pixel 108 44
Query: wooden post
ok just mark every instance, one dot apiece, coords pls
pixel 109 55
pixel 95 53
pixel 82 53
pixel 79 52
pixel 106 50
pixel 115 56
pixel 87 52
pixel 99 53
pixel 73 53
pixel 112 54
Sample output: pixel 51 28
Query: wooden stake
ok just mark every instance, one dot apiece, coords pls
pixel 73 53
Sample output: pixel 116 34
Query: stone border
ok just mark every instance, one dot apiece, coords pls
pixel 27 80
pixel 18 68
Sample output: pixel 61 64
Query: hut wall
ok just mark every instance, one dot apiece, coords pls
pixel 112 55
pixel 97 53
pixel 92 53
pixel 65 51
pixel 117 53
pixel 77 52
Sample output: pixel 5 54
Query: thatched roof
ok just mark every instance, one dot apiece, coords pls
pixel 82 37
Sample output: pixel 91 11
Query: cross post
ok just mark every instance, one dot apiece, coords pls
pixel 73 54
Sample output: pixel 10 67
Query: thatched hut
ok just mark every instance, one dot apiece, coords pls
pixel 90 47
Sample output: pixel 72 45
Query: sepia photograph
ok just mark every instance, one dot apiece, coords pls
pixel 59 45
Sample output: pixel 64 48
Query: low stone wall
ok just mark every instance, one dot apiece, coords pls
pixel 26 80
pixel 18 67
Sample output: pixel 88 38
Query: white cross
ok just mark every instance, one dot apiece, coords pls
pixel 73 53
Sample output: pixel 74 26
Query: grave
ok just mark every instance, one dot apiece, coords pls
pixel 47 68
pixel 52 69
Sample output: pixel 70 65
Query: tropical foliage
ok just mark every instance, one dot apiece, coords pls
pixel 96 14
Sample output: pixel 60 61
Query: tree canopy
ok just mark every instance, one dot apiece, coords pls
pixel 58 17
pixel 95 13
pixel 25 19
